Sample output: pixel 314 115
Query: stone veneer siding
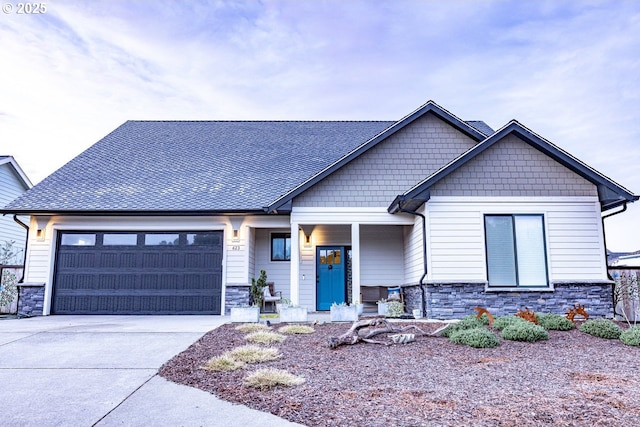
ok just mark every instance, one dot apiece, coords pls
pixel 454 301
pixel 30 299
pixel 235 296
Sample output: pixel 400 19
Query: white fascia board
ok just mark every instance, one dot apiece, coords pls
pixel 376 216
pixel 525 200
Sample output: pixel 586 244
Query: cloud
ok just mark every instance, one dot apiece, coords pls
pixel 568 70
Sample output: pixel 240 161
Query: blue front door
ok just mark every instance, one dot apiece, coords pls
pixel 331 280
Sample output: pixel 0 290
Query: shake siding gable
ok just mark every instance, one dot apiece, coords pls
pixel 512 167
pixel 388 169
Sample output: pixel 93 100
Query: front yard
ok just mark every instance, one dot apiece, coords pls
pixel 571 379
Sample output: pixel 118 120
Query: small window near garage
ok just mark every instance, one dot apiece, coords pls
pixel 119 239
pixel 78 239
pixel 161 239
pixel 281 247
pixel 516 254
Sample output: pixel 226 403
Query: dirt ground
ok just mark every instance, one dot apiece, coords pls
pixel 573 379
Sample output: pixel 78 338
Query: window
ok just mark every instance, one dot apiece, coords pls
pixel 120 239
pixel 161 239
pixel 516 254
pixel 78 239
pixel 281 247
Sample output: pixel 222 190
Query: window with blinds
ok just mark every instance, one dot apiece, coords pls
pixel 516 251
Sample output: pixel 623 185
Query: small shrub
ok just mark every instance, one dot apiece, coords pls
pixel 555 322
pixel 601 328
pixel 631 336
pixel 524 331
pixel 254 354
pixel 252 327
pixel 475 337
pixel 270 377
pixel 469 322
pixel 265 337
pixel 503 321
pixel 394 309
pixel 296 329
pixel 223 363
pixel 484 319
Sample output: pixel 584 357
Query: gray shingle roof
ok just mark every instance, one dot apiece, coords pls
pixel 481 126
pixel 194 166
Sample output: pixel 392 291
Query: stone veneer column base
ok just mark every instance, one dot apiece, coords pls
pixel 457 300
pixel 235 296
pixel 30 299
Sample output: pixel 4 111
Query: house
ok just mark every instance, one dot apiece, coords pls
pixel 177 217
pixel 13 183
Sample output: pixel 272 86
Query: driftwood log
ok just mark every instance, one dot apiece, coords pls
pixel 364 330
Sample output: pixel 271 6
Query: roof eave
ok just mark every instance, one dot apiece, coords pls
pixel 62 212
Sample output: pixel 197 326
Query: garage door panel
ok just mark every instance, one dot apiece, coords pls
pixel 169 275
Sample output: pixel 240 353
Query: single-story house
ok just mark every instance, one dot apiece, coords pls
pixel 178 217
pixel 13 234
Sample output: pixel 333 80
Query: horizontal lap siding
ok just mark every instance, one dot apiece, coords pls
pixel 573 236
pixel 575 241
pixel 413 252
pixel 10 231
pixel 381 255
pixel 278 272
pixel 456 243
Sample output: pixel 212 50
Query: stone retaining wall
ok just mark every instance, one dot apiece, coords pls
pixel 454 301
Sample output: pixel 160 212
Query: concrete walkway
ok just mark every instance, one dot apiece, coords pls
pixel 102 371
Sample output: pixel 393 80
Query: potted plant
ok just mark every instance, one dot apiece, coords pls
pixel 256 291
pixel 382 307
pixel 394 309
pixel 359 306
pixel 293 313
pixel 284 303
pixel 343 312
pixel 245 314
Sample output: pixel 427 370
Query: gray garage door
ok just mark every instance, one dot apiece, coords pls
pixel 138 273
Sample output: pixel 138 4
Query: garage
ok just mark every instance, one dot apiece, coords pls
pixel 108 272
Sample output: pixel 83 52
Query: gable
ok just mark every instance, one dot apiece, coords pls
pixel 610 193
pixel 511 167
pixel 400 161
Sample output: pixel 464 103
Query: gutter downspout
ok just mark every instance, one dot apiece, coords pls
pixel 424 256
pixel 26 243
pixel 604 237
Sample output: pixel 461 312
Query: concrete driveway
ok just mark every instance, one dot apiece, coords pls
pixel 102 371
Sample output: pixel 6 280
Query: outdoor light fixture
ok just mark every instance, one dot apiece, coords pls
pixel 42 222
pixel 236 222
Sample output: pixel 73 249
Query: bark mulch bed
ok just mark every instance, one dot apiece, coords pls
pixel 573 379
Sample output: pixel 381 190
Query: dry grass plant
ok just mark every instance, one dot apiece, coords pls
pixel 265 337
pixel 223 363
pixel 296 329
pixel 254 354
pixel 270 377
pixel 248 328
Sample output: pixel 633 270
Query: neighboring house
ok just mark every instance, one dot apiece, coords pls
pixel 13 183
pixel 630 259
pixel 177 217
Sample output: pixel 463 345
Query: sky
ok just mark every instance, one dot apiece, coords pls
pixel 568 70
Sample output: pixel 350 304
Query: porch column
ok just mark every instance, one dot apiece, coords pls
pixel 355 262
pixel 295 264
